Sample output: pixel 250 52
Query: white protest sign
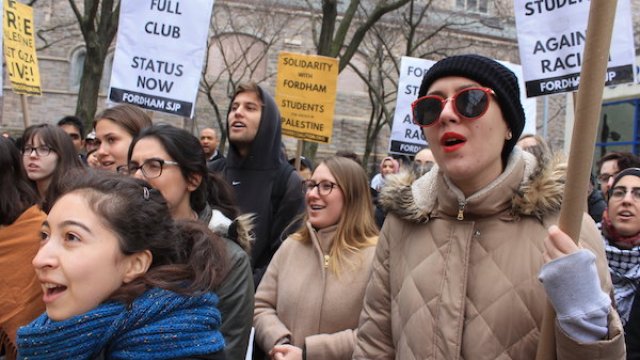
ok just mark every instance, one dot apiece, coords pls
pixel 159 54
pixel 551 38
pixel 529 105
pixel 406 137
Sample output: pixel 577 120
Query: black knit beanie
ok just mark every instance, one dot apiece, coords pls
pixel 621 174
pixel 489 73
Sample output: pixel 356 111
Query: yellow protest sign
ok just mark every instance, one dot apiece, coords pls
pixel 20 48
pixel 306 95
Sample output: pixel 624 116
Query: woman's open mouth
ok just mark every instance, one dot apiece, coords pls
pixel 451 141
pixel 52 291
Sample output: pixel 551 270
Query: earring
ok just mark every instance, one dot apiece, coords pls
pixel 509 135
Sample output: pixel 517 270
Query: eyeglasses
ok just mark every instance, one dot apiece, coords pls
pixel 42 150
pixel 604 178
pixel 469 103
pixel 619 193
pixel 151 168
pixel 324 187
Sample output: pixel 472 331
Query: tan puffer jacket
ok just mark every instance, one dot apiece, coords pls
pixel 457 278
pixel 300 298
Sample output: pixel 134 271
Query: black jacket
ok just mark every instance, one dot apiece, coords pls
pixel 597 205
pixel 632 331
pixel 217 156
pixel 265 185
pixel 236 291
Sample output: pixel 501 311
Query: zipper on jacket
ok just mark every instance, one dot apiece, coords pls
pixel 326 261
pixel 461 206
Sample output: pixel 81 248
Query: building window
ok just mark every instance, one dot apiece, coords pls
pixel 618 128
pixel 106 73
pixel 237 56
pixel 77 63
pixel 479 6
pixel 75 73
pixel 349 81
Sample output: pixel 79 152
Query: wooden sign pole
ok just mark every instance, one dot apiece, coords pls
pixel 298 154
pixel 583 139
pixel 25 111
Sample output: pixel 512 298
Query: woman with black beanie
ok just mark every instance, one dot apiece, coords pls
pixel 469 253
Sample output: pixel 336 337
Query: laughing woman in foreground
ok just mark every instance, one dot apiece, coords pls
pixel 308 302
pixel 122 280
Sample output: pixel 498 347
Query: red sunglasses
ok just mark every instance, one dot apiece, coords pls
pixel 469 103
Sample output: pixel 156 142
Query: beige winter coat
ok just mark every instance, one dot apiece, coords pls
pixel 300 298
pixel 458 279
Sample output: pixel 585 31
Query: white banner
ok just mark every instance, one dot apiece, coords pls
pixel 159 54
pixel 406 137
pixel 551 38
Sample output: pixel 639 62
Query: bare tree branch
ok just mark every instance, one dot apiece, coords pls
pixel 417 30
pixel 56 29
pixel 98 24
pixel 243 43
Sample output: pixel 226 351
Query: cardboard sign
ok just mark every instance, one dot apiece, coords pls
pixel 20 48
pixel 406 137
pixel 551 38
pixel 159 54
pixel 306 95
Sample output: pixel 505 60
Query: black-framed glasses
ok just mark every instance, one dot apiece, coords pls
pixel 469 103
pixel 42 150
pixel 619 192
pixel 151 168
pixel 324 187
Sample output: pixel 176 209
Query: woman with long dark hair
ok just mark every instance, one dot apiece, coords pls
pixel 173 162
pixel 48 155
pixel 122 279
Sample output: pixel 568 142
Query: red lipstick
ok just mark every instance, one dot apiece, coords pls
pixel 451 141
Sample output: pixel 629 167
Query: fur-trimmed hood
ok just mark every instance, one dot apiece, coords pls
pixel 240 230
pixel 539 191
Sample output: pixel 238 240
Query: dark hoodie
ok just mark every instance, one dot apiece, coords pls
pixel 254 180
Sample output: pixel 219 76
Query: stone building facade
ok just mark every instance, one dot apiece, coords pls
pixel 250 30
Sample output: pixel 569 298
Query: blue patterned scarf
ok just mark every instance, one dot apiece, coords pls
pixel 160 324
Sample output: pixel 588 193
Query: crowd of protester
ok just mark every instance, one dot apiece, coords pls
pixel 139 240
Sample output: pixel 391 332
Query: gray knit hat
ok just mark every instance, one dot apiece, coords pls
pixel 489 73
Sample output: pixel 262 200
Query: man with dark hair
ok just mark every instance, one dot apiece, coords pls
pixel 72 125
pixel 611 164
pixel 306 167
pixel 349 154
pixel 263 181
pixel 595 201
